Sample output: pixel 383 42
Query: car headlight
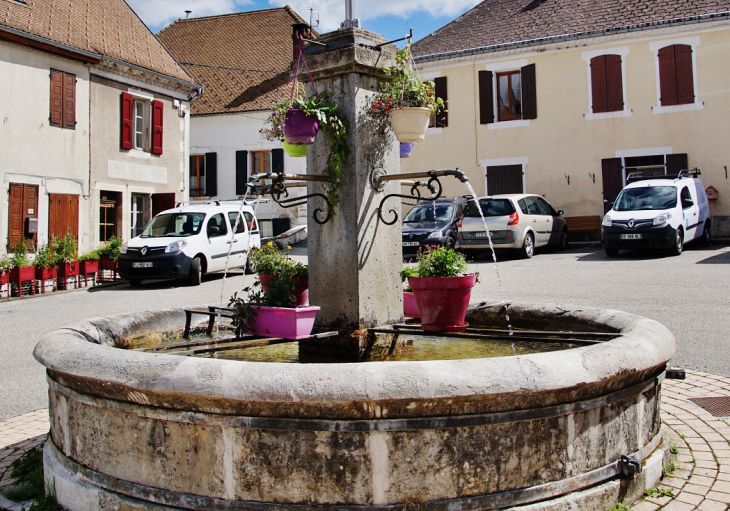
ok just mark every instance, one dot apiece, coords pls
pixel 607 222
pixel 435 235
pixel 176 246
pixel 662 219
pixel 123 248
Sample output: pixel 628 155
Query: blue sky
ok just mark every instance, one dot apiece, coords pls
pixel 392 18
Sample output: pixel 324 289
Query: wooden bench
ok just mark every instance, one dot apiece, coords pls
pixel 583 227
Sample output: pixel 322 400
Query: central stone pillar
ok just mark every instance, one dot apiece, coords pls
pixel 354 259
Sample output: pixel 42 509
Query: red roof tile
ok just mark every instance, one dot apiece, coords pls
pixel 106 27
pixel 242 59
pixel 495 22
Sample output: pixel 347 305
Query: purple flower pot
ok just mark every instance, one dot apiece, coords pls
pixel 405 149
pixel 300 128
pixel 296 323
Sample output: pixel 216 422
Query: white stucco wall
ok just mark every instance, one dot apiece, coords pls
pixel 31 151
pixel 226 134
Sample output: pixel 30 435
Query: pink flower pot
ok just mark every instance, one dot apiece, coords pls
pixel 301 288
pixel 410 309
pixel 296 323
pixel 442 301
pixel 300 128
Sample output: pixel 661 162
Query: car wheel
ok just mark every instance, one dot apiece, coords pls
pixel 195 276
pixel 678 243
pixel 135 282
pixel 528 247
pixel 706 234
pixel 450 243
pixel 250 265
pixel 611 252
pixel 563 244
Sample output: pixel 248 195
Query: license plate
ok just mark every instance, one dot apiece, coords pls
pixel 483 235
pixel 630 236
pixel 142 265
pixel 410 243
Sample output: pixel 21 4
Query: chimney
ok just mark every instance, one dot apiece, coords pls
pixel 299 29
pixel 187 14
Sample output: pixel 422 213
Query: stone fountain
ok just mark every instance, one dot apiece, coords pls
pixel 576 429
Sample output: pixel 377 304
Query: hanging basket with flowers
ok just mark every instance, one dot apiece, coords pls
pixel 407 99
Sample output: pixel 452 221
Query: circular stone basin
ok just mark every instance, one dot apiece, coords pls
pixel 133 430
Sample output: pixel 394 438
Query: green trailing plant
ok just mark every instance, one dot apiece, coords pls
pixel 20 255
pixel 670 468
pixel 273 129
pixel 621 507
pixel 658 492
pixel 43 257
pixel 280 293
pixel 674 449
pixel 65 249
pixel 404 87
pixel 90 256
pixel 27 471
pixel 440 262
pixel 405 272
pixel 110 249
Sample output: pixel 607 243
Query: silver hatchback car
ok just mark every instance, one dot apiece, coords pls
pixel 520 222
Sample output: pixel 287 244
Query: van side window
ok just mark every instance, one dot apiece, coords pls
pixel 240 229
pixel 251 221
pixel 217 221
pixel 685 196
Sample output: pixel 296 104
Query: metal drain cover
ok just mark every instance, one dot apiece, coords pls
pixel 717 406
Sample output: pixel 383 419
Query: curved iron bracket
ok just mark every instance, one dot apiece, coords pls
pixel 433 185
pixel 278 189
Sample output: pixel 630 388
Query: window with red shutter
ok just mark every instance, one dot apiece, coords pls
pixel 606 84
pixel 63 100
pixel 126 117
pixel 157 114
pixel 676 78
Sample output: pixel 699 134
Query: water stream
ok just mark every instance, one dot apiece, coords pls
pixel 505 303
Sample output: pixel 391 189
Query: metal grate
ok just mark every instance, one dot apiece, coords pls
pixel 717 406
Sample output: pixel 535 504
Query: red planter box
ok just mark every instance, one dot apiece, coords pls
pixel 21 275
pixel 442 301
pixel 66 270
pixel 44 274
pixel 87 268
pixel 107 265
pixel 5 279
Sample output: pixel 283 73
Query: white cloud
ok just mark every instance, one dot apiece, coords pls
pixel 157 14
pixel 332 12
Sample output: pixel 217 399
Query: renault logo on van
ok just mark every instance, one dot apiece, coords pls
pixel 631 226
pixel 144 250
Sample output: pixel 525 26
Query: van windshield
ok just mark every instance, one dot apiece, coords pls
pixel 174 225
pixel 647 198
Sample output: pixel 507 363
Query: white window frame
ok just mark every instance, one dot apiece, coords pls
pixel 145 100
pixel 655 46
pixel 623 52
pixel 498 67
pixel 499 162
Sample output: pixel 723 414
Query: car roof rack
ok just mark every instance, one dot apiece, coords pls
pixel 640 176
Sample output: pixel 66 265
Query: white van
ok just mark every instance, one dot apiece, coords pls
pixel 658 212
pixel 189 241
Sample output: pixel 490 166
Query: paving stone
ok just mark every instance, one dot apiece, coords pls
pixel 678 506
pixel 723 486
pixel 701 480
pixel 718 496
pixel 689 498
pixel 644 506
pixel 695 488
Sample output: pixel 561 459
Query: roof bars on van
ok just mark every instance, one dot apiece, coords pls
pixel 641 176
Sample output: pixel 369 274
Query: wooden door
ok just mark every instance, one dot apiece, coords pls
pixel 613 181
pixel 22 205
pixel 63 215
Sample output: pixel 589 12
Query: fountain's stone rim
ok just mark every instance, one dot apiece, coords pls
pixel 82 357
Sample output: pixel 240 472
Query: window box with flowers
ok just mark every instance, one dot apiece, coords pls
pixel 407 99
pixel 45 267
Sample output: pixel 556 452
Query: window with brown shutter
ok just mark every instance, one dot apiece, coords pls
pixel 63 100
pixel 486 105
pixel 440 119
pixel 607 84
pixel 676 79
pixel 157 113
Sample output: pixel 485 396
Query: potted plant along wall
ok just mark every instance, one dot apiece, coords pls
pixel 89 263
pixel 66 254
pixel 410 308
pixel 270 262
pixel 407 99
pixel 271 313
pixel 45 266
pixel 442 289
pixel 108 255
pixel 22 270
pixel 5 266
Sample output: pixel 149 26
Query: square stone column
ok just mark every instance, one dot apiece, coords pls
pixel 354 259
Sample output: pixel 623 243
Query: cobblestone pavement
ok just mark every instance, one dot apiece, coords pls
pixel 700 479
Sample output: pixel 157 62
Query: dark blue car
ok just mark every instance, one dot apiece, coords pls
pixel 432 223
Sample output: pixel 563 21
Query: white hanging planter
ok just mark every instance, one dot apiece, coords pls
pixel 410 124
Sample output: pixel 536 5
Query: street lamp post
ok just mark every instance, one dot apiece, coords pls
pixel 350 20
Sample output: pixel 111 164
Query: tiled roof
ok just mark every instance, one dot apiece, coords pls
pixel 495 22
pixel 106 27
pixel 241 59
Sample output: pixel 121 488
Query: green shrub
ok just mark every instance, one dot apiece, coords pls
pixel 43 257
pixel 110 249
pixel 90 256
pixel 65 249
pixel 20 255
pixel 440 262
